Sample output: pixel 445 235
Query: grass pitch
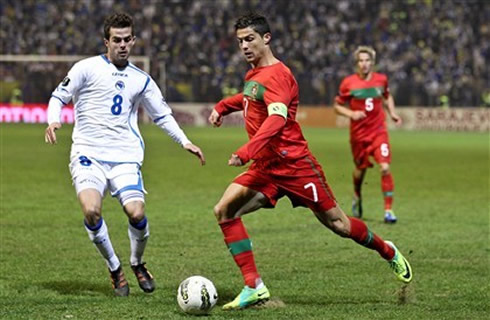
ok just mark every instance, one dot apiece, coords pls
pixel 50 270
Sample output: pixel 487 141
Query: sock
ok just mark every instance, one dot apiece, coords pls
pixel 240 246
pixel 138 235
pixel 99 235
pixel 387 186
pixel 357 185
pixel 361 234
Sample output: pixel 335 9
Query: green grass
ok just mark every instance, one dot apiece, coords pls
pixel 50 270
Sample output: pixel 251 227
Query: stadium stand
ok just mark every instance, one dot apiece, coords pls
pixel 434 51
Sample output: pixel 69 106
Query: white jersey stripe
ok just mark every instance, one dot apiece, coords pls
pixel 146 85
pixel 131 117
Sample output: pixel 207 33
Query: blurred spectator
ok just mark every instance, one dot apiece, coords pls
pixel 16 97
pixel 428 48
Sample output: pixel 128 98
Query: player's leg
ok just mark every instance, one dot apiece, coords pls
pixel 360 154
pixel 348 227
pixel 358 178
pixel 236 201
pixel 139 232
pixel 387 187
pixel 126 184
pixel 90 183
pixel 382 155
pixel 91 203
pixel 310 188
pixel 337 221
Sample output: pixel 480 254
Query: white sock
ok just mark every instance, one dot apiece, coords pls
pixel 102 242
pixel 259 284
pixel 137 240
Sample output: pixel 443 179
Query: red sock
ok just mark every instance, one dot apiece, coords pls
pixel 387 186
pixel 361 234
pixel 357 185
pixel 240 246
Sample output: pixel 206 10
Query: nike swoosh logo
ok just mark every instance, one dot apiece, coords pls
pixel 406 275
pixel 261 294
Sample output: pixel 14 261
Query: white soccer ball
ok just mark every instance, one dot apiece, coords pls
pixel 197 295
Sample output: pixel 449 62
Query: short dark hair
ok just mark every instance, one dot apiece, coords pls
pixel 255 21
pixel 117 20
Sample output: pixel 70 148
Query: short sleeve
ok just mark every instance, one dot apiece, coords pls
pixel 343 97
pixel 386 91
pixel 279 90
pixel 70 84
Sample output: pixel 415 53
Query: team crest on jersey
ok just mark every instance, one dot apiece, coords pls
pixel 120 85
pixel 255 90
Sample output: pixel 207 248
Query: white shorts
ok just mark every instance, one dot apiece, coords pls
pixel 123 180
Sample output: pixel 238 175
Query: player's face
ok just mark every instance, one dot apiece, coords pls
pixel 119 45
pixel 253 46
pixel 364 63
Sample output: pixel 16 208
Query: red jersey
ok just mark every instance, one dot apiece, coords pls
pixel 266 86
pixel 365 95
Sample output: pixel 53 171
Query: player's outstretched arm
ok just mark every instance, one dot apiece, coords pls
pixel 49 133
pixel 195 150
pixel 172 128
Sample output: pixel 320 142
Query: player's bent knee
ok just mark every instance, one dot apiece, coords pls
pixel 90 202
pixel 135 210
pixel 92 215
pixel 384 168
pixel 136 217
pixel 218 212
pixel 221 212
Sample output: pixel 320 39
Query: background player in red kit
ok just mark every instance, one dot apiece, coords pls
pixel 283 164
pixel 361 98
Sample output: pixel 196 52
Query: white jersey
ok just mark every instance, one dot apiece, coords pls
pixel 106 100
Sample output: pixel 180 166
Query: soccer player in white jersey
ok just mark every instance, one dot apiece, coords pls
pixel 107 150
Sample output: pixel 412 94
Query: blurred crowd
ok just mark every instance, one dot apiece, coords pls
pixel 435 52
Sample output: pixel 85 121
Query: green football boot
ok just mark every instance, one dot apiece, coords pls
pixel 400 265
pixel 248 297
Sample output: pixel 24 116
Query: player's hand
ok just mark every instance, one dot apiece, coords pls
pixel 358 115
pixel 49 133
pixel 215 118
pixel 235 161
pixel 195 150
pixel 397 119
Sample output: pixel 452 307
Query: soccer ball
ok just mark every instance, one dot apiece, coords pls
pixel 197 295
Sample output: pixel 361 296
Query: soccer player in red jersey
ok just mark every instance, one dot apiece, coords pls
pixel 361 98
pixel 283 164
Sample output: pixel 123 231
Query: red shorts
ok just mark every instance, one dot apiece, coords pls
pixel 301 180
pixel 378 148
